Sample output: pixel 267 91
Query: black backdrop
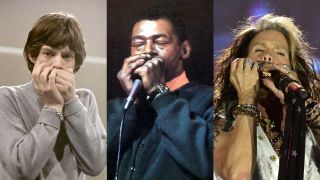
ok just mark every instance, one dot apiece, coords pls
pixel 198 16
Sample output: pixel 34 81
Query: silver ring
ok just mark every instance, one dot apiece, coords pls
pixel 288 73
pixel 288 69
pixel 286 66
pixel 249 62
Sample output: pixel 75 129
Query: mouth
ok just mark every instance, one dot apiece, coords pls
pixel 151 55
pixel 265 75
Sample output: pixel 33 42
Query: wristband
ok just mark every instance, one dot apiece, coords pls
pixel 157 91
pixel 246 109
pixel 54 110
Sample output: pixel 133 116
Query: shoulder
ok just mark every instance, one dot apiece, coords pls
pixel 198 89
pixel 15 91
pixel 5 91
pixel 6 95
pixel 86 96
pixel 197 93
pixel 84 93
pixel 11 96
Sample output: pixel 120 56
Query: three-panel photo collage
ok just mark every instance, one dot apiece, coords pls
pixel 159 90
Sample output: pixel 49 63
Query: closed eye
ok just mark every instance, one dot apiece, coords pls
pixel 162 42
pixel 137 44
pixel 281 53
pixel 258 50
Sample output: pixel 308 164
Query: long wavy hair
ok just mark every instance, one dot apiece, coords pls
pixel 299 55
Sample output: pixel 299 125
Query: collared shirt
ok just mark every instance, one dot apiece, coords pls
pixel 178 81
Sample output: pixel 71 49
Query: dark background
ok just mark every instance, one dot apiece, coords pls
pixel 207 22
pixel 228 13
pixel 198 17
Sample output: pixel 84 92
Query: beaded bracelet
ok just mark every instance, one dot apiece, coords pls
pixel 312 114
pixel 246 109
pixel 156 91
pixel 53 109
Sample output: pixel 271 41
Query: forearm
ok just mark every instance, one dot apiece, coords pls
pixel 186 132
pixel 313 119
pixel 130 131
pixel 26 153
pixel 87 137
pixel 235 151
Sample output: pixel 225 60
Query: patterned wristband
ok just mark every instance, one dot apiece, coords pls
pixel 313 114
pixel 156 91
pixel 246 109
pixel 53 109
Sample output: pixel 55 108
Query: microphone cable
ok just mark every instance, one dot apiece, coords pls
pixel 135 89
pixel 119 145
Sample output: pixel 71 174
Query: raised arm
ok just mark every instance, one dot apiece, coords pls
pixel 235 151
pixel 86 133
pixel 24 151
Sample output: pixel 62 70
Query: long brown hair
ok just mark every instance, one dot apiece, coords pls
pixel 57 30
pixel 299 55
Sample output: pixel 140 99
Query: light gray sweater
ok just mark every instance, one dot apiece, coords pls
pixel 36 144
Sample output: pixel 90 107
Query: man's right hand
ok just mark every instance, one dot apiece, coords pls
pixel 44 77
pixel 244 77
pixel 129 65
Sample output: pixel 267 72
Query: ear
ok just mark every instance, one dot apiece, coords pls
pixel 185 49
pixel 32 59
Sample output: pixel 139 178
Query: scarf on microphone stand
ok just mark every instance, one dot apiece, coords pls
pixel 293 147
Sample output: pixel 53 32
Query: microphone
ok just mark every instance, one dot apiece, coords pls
pixel 290 86
pixel 136 86
pixel 135 89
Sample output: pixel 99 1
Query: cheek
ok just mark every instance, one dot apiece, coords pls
pixel 134 51
pixel 286 61
pixel 253 56
pixel 41 59
pixel 164 53
pixel 169 53
pixel 70 64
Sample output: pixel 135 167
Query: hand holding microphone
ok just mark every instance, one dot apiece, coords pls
pixel 142 71
pixel 284 79
pixel 130 64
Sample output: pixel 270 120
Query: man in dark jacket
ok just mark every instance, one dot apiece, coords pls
pixel 167 131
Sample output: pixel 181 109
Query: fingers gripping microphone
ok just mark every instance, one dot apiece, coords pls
pixel 290 86
pixel 136 86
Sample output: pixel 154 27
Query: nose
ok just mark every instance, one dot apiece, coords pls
pixel 149 47
pixel 57 61
pixel 267 57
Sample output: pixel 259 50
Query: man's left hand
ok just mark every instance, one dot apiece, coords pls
pixel 65 82
pixel 151 73
pixel 285 69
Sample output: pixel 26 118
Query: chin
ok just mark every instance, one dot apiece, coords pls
pixel 265 93
pixel 266 96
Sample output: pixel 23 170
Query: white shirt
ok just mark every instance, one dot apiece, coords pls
pixel 267 161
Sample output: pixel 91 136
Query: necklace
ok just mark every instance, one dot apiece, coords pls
pixel 275 136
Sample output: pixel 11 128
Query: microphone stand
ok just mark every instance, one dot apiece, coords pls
pixel 293 147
